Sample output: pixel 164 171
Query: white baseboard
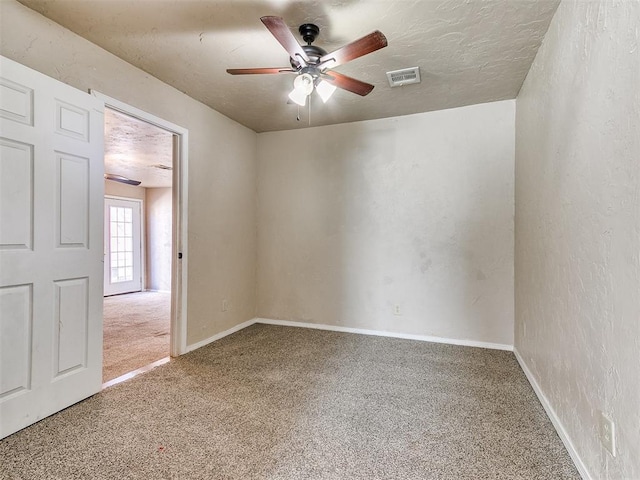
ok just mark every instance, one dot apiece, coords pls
pixel 220 335
pixel 382 333
pixel 361 331
pixel 562 433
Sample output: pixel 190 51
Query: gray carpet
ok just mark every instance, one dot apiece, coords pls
pixel 136 331
pixel 289 403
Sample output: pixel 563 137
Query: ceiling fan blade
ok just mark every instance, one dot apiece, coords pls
pixel 367 44
pixel 255 71
pixel 348 83
pixel 279 29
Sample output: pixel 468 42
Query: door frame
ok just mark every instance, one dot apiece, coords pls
pixel 179 263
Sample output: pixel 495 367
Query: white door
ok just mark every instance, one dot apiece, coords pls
pixel 122 246
pixel 51 198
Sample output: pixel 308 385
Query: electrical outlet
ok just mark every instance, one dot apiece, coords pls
pixel 608 433
pixel 225 305
pixel 397 310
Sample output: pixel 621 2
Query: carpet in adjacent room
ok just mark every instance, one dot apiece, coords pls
pixel 136 331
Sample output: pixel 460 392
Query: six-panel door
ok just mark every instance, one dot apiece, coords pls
pixel 51 197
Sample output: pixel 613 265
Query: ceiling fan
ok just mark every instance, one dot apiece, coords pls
pixel 312 64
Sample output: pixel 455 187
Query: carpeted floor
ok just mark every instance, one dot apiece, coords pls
pixel 290 403
pixel 136 331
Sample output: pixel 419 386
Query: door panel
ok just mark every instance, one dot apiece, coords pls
pixel 16 102
pixel 51 179
pixel 72 195
pixel 15 310
pixel 16 194
pixel 71 303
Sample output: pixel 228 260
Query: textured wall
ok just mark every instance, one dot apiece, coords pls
pixel 415 211
pixel 222 166
pixel 578 227
pixel 159 229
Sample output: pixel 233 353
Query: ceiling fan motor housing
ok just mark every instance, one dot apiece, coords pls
pixel 314 53
pixel 309 32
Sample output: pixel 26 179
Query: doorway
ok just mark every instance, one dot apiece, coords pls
pixel 122 245
pixel 154 184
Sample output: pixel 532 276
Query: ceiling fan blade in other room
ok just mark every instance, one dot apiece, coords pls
pixel 255 71
pixel 279 29
pixel 348 83
pixel 367 44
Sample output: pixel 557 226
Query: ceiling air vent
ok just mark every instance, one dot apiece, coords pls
pixel 406 76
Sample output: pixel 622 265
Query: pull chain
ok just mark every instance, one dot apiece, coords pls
pixel 298 115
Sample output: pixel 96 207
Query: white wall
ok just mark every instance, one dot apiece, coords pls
pixel 222 162
pixel 159 229
pixel 123 190
pixel 578 227
pixel 415 211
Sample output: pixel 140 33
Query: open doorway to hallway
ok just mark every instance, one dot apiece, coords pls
pixel 138 215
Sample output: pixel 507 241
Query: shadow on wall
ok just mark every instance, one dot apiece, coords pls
pixel 159 220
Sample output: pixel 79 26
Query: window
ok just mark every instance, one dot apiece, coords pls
pixel 121 243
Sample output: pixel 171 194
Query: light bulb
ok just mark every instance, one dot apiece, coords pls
pixel 325 90
pixel 304 83
pixel 302 87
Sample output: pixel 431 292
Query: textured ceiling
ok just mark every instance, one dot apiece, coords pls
pixel 137 150
pixel 468 51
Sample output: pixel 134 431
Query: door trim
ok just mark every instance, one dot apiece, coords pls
pixel 180 192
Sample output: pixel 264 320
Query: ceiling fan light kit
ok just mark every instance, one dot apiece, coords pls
pixel 313 65
pixel 303 86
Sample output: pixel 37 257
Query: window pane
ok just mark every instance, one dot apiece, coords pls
pixel 121 243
